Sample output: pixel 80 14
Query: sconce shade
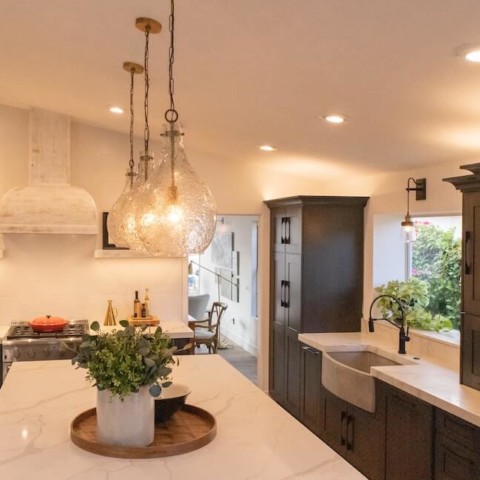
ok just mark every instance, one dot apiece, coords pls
pixel 178 213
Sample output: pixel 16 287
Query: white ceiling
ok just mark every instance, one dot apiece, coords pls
pixel 262 71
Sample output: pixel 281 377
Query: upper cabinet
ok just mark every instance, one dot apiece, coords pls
pixel 469 185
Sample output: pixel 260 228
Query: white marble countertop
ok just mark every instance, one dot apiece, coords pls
pixel 434 384
pixel 174 329
pixel 256 439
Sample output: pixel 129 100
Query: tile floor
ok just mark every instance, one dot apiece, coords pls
pixel 239 358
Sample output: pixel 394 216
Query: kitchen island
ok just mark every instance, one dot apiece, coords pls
pixel 256 438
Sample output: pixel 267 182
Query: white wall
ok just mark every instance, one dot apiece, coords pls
pixel 58 274
pixel 244 329
pixel 99 159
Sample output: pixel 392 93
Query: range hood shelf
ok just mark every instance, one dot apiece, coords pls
pixel 48 204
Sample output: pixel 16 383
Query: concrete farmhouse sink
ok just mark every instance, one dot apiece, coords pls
pixel 347 373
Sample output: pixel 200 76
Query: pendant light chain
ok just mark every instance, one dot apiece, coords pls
pixel 146 134
pixel 147 86
pixel 131 163
pixel 171 115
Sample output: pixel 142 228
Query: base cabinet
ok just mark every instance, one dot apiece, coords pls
pixel 311 399
pixel 408 435
pixel 355 434
pixel 457 456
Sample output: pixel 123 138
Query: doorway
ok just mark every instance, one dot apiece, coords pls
pixel 227 271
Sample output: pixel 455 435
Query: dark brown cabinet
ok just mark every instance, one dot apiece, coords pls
pixel 312 413
pixel 316 280
pixel 470 320
pixel 456 448
pixel 408 435
pixel 355 434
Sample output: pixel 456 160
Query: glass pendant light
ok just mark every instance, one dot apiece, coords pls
pixel 127 226
pixel 116 214
pixel 178 215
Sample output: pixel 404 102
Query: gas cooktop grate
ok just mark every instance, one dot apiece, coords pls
pixel 77 328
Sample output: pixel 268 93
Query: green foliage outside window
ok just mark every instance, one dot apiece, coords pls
pixel 414 297
pixel 436 260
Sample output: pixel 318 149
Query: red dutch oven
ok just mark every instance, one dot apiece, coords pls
pixel 48 323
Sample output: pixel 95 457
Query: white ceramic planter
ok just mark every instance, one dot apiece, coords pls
pixel 128 422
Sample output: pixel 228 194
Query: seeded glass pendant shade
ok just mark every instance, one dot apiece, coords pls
pixel 127 223
pixel 178 210
pixel 116 214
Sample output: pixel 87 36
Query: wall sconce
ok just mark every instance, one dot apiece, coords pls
pixel 420 188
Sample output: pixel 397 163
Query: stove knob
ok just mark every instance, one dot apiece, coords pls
pixel 31 353
pixel 16 353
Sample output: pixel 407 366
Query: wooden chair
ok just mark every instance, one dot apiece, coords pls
pixel 207 332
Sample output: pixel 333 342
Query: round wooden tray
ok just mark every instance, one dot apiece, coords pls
pixel 189 429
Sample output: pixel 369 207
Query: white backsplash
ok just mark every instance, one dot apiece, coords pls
pixel 58 275
pixel 444 352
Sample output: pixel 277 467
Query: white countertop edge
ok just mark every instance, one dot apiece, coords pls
pixel 425 380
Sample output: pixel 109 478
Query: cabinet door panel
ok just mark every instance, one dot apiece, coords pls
pixel 408 437
pixel 278 218
pixel 312 405
pixel 471 252
pixel 293 379
pixel 365 446
pixel 279 292
pixel 335 422
pixel 470 353
pixel 453 462
pixel 293 229
pixel 277 363
pixel 293 267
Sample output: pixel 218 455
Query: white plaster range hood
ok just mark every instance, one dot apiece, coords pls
pixel 48 204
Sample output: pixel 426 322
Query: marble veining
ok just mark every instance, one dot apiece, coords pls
pixel 256 439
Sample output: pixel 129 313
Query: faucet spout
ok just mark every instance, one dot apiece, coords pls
pixel 402 334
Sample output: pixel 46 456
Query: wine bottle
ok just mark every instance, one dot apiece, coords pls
pixel 137 306
pixel 146 302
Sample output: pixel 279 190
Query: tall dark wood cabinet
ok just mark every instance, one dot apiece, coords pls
pixel 316 280
pixel 469 185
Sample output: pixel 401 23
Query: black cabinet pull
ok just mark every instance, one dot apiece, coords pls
pixel 282 293
pixel 343 428
pixel 282 228
pixel 287 230
pixel 467 257
pixel 287 294
pixel 350 421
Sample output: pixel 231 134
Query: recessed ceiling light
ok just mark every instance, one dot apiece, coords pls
pixel 335 118
pixel 473 55
pixel 266 148
pixel 470 53
pixel 117 110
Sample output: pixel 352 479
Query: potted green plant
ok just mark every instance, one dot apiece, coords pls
pixel 128 367
pixel 414 297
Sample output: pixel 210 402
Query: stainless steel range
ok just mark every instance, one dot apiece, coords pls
pixel 22 344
